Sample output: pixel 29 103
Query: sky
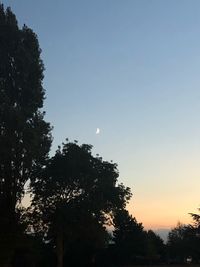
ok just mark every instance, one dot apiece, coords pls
pixel 130 68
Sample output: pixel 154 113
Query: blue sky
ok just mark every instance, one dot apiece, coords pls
pixel 130 68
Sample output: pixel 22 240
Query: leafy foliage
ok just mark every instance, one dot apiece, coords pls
pixel 183 242
pixel 196 219
pixel 129 237
pixel 24 135
pixel 155 251
pixel 75 195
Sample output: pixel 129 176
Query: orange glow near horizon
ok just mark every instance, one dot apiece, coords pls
pixel 164 191
pixel 155 213
pixel 160 215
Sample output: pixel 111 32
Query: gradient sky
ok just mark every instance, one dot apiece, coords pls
pixel 131 68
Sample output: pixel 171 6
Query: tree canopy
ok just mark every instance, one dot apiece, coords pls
pixel 183 242
pixel 76 191
pixel 24 135
pixel 129 237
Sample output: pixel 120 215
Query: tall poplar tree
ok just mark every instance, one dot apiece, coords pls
pixel 25 137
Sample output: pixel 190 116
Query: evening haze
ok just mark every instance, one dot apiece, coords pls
pixel 132 70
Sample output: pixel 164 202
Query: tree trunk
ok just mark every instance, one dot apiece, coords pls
pixel 59 249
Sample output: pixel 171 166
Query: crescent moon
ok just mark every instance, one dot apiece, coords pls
pixel 97 131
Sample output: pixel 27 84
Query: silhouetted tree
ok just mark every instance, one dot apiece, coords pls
pixel 129 238
pixel 75 196
pixel 155 251
pixel 196 219
pixel 183 242
pixel 24 135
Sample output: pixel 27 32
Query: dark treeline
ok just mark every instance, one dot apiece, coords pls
pixel 184 242
pixel 75 196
